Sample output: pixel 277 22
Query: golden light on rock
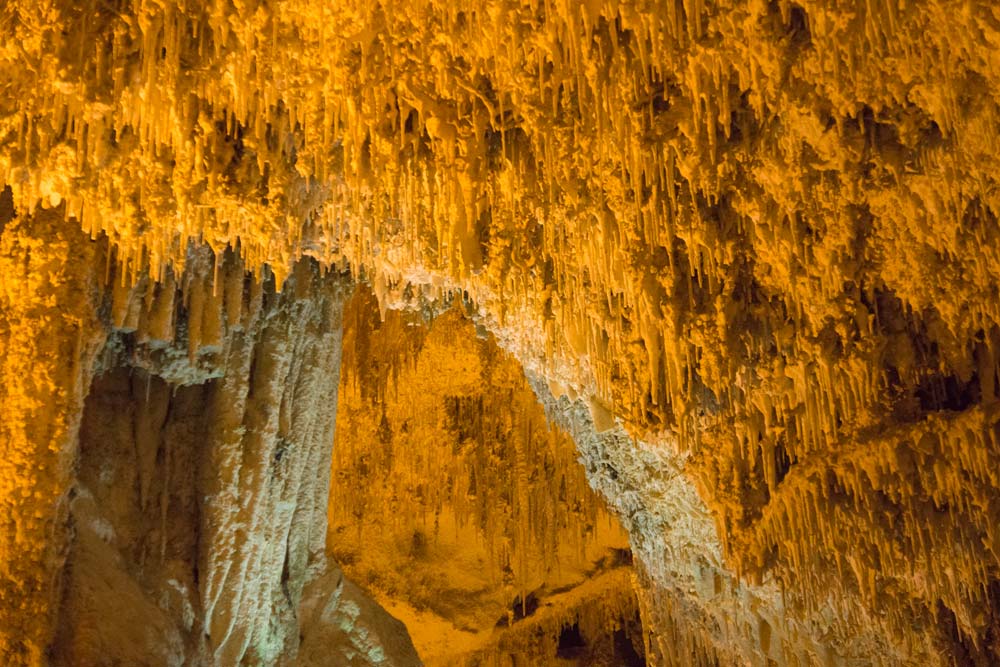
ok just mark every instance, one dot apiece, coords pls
pixel 675 322
pixel 460 507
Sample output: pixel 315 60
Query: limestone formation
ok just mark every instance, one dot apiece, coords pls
pixel 460 507
pixel 176 514
pixel 746 253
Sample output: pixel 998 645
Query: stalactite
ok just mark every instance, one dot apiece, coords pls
pixel 442 455
pixel 767 228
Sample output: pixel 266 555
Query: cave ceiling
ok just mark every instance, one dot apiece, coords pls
pixel 678 318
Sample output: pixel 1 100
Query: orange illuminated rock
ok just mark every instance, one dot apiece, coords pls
pixel 455 501
pixel 752 248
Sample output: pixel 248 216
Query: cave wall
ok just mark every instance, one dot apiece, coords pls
pixel 50 336
pixel 172 443
pixel 197 458
pixel 460 507
pixel 760 235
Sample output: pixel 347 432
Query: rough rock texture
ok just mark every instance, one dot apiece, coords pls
pixel 204 483
pixel 763 235
pixel 701 613
pixel 49 338
pixel 456 503
pixel 341 625
pixel 179 511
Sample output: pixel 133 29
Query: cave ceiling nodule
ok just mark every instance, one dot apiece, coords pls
pixel 744 257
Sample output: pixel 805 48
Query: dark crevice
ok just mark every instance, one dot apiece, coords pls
pixel 782 462
pixel 947 392
pixel 571 643
pixel 7 212
pixel 798 28
pixel 626 651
